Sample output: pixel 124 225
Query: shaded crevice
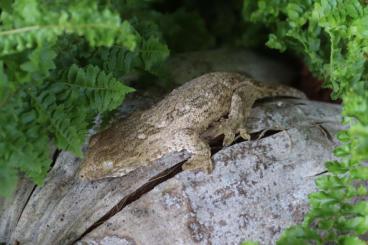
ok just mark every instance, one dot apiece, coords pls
pixel 216 144
pixel 321 173
pixel 263 134
pixel 152 183
pixel 325 131
pixel 277 98
pixel 55 156
pixel 317 174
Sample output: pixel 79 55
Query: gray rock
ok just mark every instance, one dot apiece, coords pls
pixel 256 190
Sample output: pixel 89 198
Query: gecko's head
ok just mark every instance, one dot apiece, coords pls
pixel 94 169
pixel 94 165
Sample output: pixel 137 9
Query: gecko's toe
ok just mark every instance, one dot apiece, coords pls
pixel 229 138
pixel 243 133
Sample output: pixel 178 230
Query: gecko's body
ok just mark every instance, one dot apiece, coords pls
pixel 176 123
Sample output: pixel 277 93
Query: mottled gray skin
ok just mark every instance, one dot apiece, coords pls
pixel 177 122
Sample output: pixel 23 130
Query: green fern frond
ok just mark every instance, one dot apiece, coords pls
pixel 102 90
pixel 332 38
pixel 22 143
pixel 120 61
pixel 31 25
pixel 59 64
pixel 39 65
pixel 116 60
pixel 153 52
pixel 57 121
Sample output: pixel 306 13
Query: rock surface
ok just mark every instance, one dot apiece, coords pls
pixel 256 190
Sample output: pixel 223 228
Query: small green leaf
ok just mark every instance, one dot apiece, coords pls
pixel 39 65
pixel 361 208
pixel 297 235
pixel 336 167
pixel 357 224
pixel 351 240
pixel 250 243
pixel 360 173
pixel 342 151
pixel 274 42
pixel 343 136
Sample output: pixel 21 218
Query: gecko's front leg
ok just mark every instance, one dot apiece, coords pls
pixel 241 105
pixel 200 150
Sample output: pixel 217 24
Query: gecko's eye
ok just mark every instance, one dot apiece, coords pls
pixel 107 165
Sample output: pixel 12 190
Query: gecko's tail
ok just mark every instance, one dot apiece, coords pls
pixel 272 90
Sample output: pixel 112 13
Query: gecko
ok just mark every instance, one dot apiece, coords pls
pixel 222 100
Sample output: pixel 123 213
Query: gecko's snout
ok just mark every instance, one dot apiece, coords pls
pixel 81 174
pixel 94 169
pixel 85 175
pixel 81 177
pixel 84 169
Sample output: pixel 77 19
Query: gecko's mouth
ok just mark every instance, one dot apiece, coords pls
pixel 89 175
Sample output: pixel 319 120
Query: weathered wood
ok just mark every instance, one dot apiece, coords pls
pixel 11 208
pixel 65 207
